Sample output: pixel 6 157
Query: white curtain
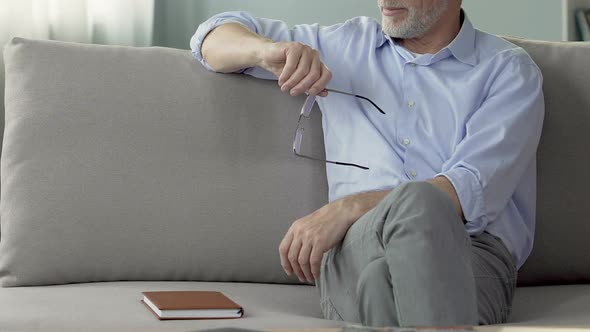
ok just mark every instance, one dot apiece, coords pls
pixel 115 22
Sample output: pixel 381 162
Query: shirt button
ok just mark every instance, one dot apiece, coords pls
pixel 412 103
pixel 414 174
pixel 406 141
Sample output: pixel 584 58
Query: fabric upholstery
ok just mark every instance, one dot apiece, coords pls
pixel 560 253
pixel 1 111
pixel 115 306
pixel 112 175
pixel 125 163
pixel 551 306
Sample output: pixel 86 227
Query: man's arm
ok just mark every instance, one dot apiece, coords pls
pixel 269 49
pixel 500 142
pixel 232 47
pixel 306 241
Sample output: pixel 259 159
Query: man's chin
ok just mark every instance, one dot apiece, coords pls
pixel 393 23
pixel 390 29
pixel 391 19
pixel 396 29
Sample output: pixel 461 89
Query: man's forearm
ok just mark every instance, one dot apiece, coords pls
pixel 361 203
pixel 232 47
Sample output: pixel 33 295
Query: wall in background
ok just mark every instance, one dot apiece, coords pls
pixel 533 19
pixel 177 20
pixel 326 12
pixel 114 22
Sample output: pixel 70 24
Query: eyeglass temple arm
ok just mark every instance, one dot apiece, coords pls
pixel 330 162
pixel 361 97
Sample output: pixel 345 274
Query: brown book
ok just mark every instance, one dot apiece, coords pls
pixel 191 305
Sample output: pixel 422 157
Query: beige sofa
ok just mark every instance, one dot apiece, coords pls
pixel 133 169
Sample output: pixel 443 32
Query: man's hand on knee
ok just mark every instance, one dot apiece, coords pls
pixel 308 238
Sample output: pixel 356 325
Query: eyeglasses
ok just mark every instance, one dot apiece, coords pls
pixel 305 113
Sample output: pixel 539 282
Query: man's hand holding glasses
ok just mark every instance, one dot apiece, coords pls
pixel 301 70
pixel 298 67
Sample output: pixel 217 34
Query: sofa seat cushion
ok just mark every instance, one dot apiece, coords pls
pixel 116 306
pixel 552 305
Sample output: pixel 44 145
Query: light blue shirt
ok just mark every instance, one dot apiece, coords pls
pixel 472 112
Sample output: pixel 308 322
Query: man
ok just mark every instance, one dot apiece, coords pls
pixel 434 231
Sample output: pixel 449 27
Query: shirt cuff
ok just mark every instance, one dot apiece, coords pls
pixel 471 197
pixel 202 32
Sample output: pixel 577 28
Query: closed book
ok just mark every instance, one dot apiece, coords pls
pixel 191 305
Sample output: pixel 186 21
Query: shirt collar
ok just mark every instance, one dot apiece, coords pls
pixel 462 47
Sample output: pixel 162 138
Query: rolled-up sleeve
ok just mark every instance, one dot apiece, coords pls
pixel 314 35
pixel 500 143
pixel 208 26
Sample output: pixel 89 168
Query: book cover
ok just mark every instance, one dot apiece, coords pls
pixel 191 305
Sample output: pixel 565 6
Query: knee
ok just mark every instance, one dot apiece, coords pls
pixel 421 193
pixel 419 207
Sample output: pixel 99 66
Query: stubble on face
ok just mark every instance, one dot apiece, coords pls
pixel 411 22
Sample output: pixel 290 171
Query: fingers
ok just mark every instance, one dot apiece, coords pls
pixel 293 56
pixel 284 250
pixel 293 257
pixel 303 261
pixel 319 87
pixel 315 261
pixel 312 76
pixel 295 251
pixel 304 72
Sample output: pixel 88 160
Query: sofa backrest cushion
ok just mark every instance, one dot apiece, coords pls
pixel 125 163
pixel 135 163
pixel 561 252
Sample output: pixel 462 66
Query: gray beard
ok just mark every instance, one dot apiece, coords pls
pixel 417 24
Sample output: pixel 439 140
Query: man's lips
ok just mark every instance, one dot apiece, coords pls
pixel 390 11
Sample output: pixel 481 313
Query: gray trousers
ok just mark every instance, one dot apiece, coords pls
pixel 410 262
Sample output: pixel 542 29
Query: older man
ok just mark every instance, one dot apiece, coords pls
pixel 432 230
